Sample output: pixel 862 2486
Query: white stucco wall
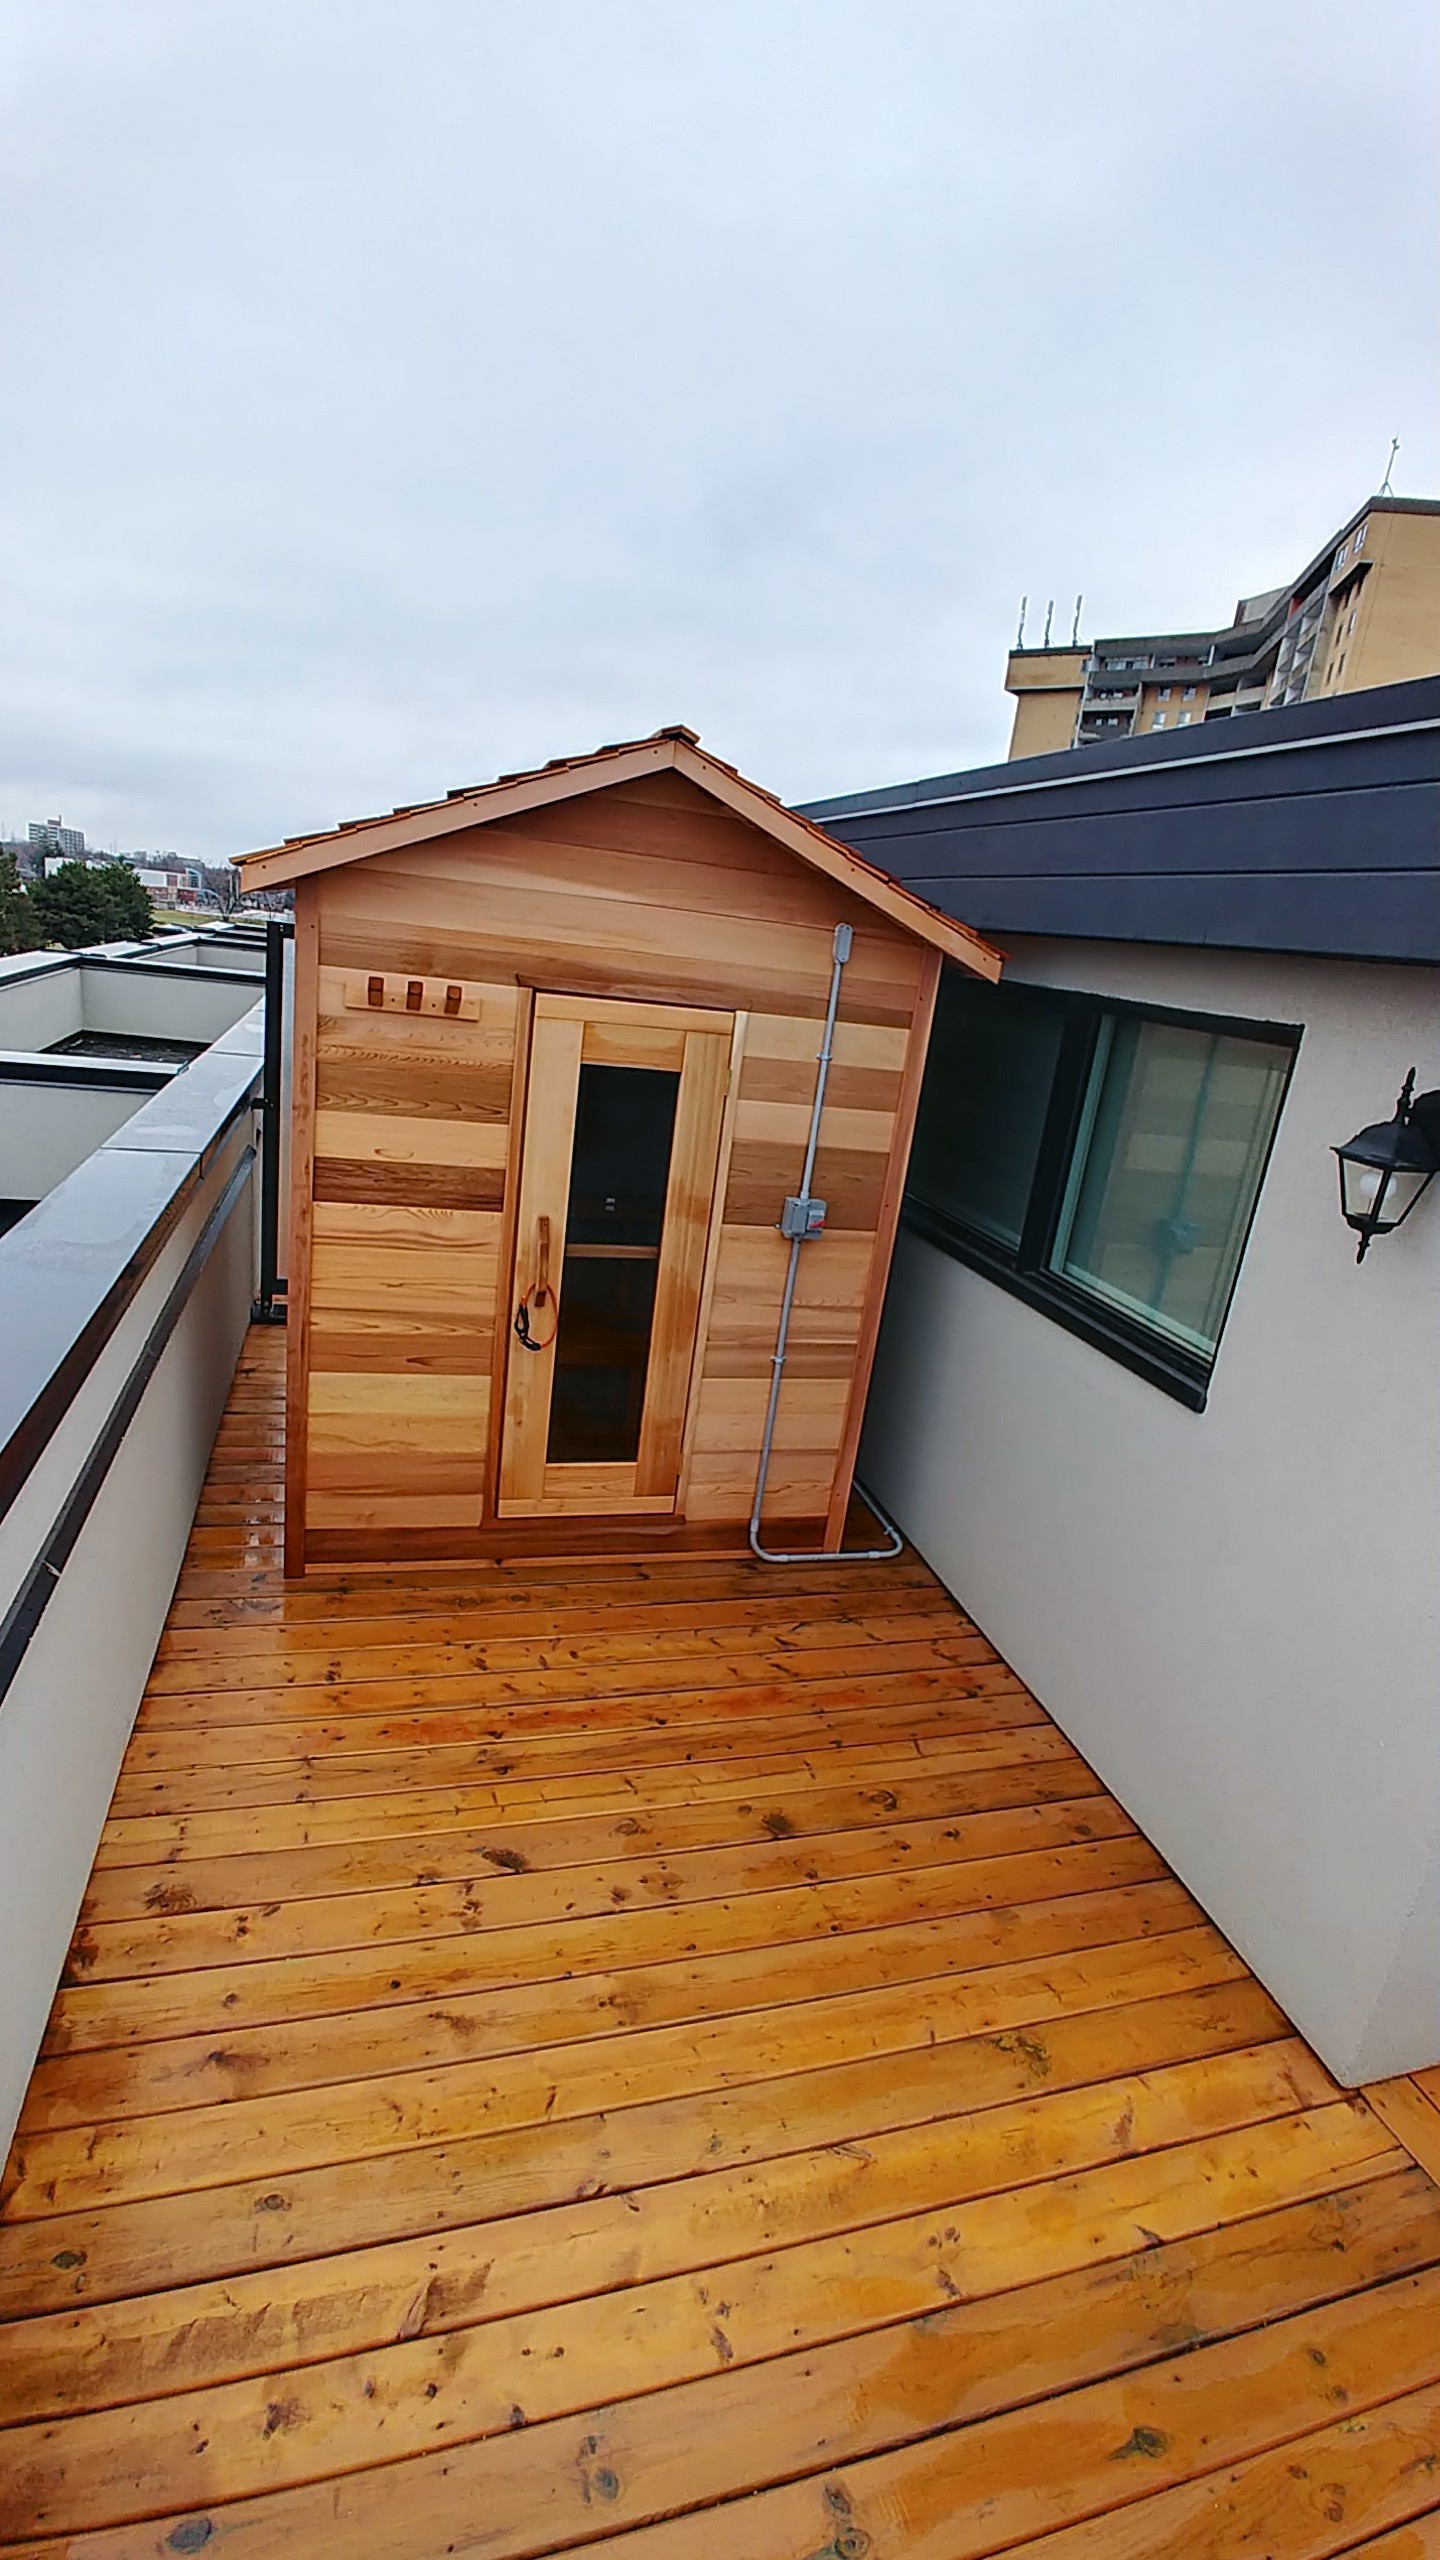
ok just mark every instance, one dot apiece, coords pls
pixel 1233 1614
pixel 146 1006
pixel 46 1130
pixel 67 1715
pixel 41 1000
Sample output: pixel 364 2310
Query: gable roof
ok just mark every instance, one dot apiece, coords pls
pixel 674 750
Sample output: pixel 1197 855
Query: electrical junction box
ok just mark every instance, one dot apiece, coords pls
pixel 802 1217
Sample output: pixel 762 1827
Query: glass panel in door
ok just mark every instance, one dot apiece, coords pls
pixel 619 1170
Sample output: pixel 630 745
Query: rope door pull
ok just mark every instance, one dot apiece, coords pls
pixel 538 1297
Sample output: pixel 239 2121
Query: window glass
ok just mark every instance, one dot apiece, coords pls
pixel 1172 1144
pixel 987 1088
pixel 624 1128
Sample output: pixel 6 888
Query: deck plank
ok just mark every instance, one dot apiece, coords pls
pixel 549 2054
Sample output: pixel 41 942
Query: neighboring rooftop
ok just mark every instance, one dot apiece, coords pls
pixel 1318 831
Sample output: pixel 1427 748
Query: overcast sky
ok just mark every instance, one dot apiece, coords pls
pixel 398 391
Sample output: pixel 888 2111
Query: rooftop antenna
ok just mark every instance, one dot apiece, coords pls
pixel 1049 616
pixel 1385 490
pixel 1075 626
pixel 1020 634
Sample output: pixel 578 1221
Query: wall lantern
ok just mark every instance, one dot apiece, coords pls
pixel 1385 1168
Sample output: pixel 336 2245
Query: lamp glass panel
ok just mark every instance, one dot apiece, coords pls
pixel 1173 1140
pixel 1402 1188
pixel 1362 1185
pixel 1405 1189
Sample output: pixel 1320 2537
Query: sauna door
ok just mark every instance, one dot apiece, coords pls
pixel 622 1134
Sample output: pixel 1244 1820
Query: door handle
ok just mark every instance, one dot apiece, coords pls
pixel 538 1295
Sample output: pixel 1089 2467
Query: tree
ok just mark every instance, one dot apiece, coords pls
pixel 19 926
pixel 77 905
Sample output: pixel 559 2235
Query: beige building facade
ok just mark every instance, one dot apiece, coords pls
pixel 1365 611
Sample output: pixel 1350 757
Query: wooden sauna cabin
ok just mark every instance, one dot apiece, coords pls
pixel 555 1055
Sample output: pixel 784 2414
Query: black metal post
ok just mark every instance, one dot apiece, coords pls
pixel 269 1307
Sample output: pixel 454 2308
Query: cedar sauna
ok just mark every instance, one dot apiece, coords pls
pixel 556 1055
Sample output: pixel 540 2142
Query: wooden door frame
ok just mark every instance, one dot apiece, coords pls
pixel 697 1042
pixel 505 1266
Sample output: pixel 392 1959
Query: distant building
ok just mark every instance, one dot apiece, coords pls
pixel 1365 611
pixel 173 882
pixel 49 836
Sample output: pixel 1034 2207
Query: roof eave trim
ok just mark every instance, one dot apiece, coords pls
pixel 279 864
pixel 842 864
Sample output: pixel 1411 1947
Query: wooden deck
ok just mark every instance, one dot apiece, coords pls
pixel 683 2058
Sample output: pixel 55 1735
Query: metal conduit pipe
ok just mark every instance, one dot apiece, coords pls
pixel 802 1220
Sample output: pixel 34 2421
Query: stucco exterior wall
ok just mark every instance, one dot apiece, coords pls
pixel 1047 684
pixel 41 1000
pixel 142 1004
pixel 67 1715
pixel 1233 1614
pixel 46 1130
pixel 1044 722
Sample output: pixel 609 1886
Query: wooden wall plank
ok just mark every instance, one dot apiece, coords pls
pixel 856 1043
pixel 858 1089
pixel 850 1180
pixel 372 1225
pixel 438 1186
pixel 376 1137
pixel 415 1086
pixel 787 1124
pixel 732 1413
pixel 886 1224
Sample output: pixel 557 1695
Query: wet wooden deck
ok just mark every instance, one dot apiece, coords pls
pixel 684 2059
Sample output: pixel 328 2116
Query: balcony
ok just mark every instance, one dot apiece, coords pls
pixel 549 2053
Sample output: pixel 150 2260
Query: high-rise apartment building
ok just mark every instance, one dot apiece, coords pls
pixel 50 835
pixel 1366 611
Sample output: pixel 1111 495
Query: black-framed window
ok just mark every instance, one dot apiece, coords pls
pixel 1100 1159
